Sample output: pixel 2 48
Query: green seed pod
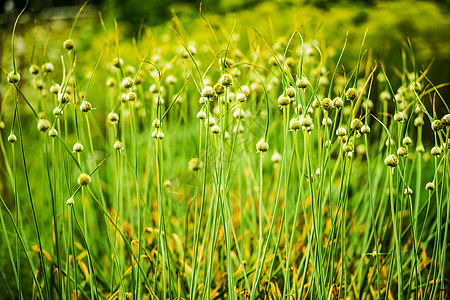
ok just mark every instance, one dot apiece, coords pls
pixel 131 96
pixel 418 121
pixel 54 89
pixel 77 147
pixel 70 201
pixel 385 96
pixel 446 120
pixel 113 118
pixel 399 117
pixel 84 179
pixel 207 92
pixel 302 83
pixel 117 62
pixel 420 149
pixel 160 135
pixel 407 141
pixel 118 145
pixel 171 80
pixel 69 44
pixel 284 100
pixel 201 115
pixel 391 161
pixel 52 133
pixel 226 80
pixel 262 146
pixel 39 84
pixel 341 131
pixel 327 121
pixel 2 125
pixel 155 134
pixel 195 164
pixel 43 125
pixel 48 67
pixel 408 191
pixel 315 103
pixel 305 121
pixel 337 102
pixel 13 77
pixel 57 111
pixel 294 124
pixel 437 125
pixel 290 92
pixel 436 151
pixel 402 151
pixel 210 122
pixel 327 104
pixel 276 157
pixel 127 83
pixel 429 186
pixel 156 123
pixel 12 138
pixel 351 94
pixel 110 82
pixel 215 129
pixel 64 98
pixel 85 106
pixel 365 129
pixel 240 97
pixel 219 89
pixel 356 124
pixel 227 63
pixel 348 147
pixel 34 69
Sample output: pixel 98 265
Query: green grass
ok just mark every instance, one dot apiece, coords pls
pixel 226 177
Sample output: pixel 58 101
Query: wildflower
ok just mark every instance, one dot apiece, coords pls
pixel 113 118
pixel 391 161
pixel 195 164
pixel 429 186
pixel 43 125
pixel 276 157
pixel 407 141
pixel 201 115
pixel 262 146
pixel 53 132
pixel 351 94
pixel 34 70
pixel 118 145
pixel 207 92
pixel 84 179
pixel 85 106
pixel 436 151
pixel 77 147
pixel 12 138
pixel 70 201
pixel 13 77
pixel 327 104
pixel 302 83
pixel 69 44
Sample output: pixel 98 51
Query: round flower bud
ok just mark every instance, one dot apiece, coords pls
pixel 215 129
pixel 341 131
pixel 276 157
pixel 401 151
pixel 315 103
pixel 39 84
pixel 227 135
pixel 240 97
pixel 64 98
pixel 2 125
pixel 446 120
pixel 219 89
pixel 57 111
pixel 226 80
pixel 365 129
pixel 262 146
pixel 43 125
pixel 284 100
pixel 294 124
pixel 207 92
pixel 399 117
pixel 48 67
pixel 118 145
pixel 391 161
pixel 156 123
pixel 167 184
pixel 420 149
pixel 131 96
pixel 127 82
pixel 302 83
pixel 227 63
pixel 110 82
pixel 34 69
pixel 52 132
pixel 12 138
pixel 436 151
pixel 70 201
pixel 13 77
pixel 385 96
pixel 351 94
pixel 327 104
pixel 84 179
pixel 437 125
pixel 155 134
pixel 85 106
pixel 201 115
pixel 429 186
pixel 160 135
pixel 117 62
pixel 418 121
pixel 113 117
pixel 54 89
pixel 77 147
pixel 327 121
pixel 290 92
pixel 407 141
pixel 239 113
pixel 238 129
pixel 69 44
pixel 171 80
pixel 408 191
pixel 348 147
pixel 305 121
pixel 356 124
pixel 195 164
pixel 337 102
pixel 210 122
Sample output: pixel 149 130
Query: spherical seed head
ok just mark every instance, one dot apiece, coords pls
pixel 70 201
pixel 52 133
pixel 13 77
pixel 64 98
pixel 246 90
pixel 155 134
pixel 118 145
pixel 239 113
pixel 408 191
pixel 117 62
pixel 160 135
pixel 110 82
pixel 402 151
pixel 171 80
pixel 131 96
pixel 156 123
pixel 84 179
pixel 219 89
pixel 34 69
pixel 365 129
pixel 57 111
pixel 348 147
pixel 356 124
pixel 127 83
pixel 207 92
pixel 327 121
pixel 240 97
pixel 436 151
pixel 69 44
pixel 43 125
pixel 227 62
pixel 48 67
pixel 227 135
pixel 446 120
pixel 399 117
pixel 290 92
pixel 315 103
pixel 201 115
pixel 54 89
pixel 351 94
pixel 210 122
pixel 215 129
pixel 12 138
pixel 283 100
pixel 327 104
pixel 226 80
pixel 385 96
pixel 337 102
pixel 77 147
pixel 305 121
pixel 302 83
pixel 407 141
pixel 238 129
pixel 294 124
pixel 2 125
pixel 130 70
pixel 420 148
pixel 341 131
pixel 418 121
pixel 167 184
pixel 39 84
pixel 391 161
pixel 113 117
pixel 429 186
pixel 85 106
pixel 195 164
pixel 437 125
pixel 262 146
